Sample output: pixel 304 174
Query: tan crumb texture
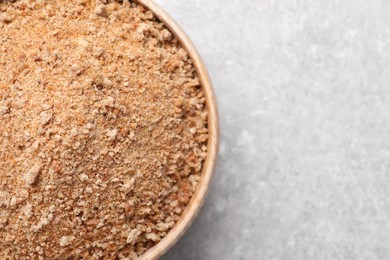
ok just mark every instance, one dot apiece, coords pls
pixel 103 129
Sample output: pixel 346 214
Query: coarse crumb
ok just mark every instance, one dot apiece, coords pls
pixel 103 130
pixel 32 174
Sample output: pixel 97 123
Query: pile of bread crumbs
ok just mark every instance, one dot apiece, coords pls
pixel 103 129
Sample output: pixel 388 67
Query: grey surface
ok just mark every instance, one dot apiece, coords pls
pixel 304 96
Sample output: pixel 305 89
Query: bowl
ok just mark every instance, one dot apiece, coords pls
pixel 197 201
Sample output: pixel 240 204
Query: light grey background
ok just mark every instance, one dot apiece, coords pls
pixel 304 96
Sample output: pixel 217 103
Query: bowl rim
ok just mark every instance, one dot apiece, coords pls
pixel 198 199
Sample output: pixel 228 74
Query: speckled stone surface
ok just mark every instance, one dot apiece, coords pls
pixel 304 96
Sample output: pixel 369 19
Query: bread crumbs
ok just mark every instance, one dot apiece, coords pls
pixel 103 129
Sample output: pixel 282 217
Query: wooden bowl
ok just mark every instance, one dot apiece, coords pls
pixel 193 208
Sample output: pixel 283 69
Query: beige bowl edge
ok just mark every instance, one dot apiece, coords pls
pixel 197 201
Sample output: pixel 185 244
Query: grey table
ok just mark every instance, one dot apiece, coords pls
pixel 304 96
